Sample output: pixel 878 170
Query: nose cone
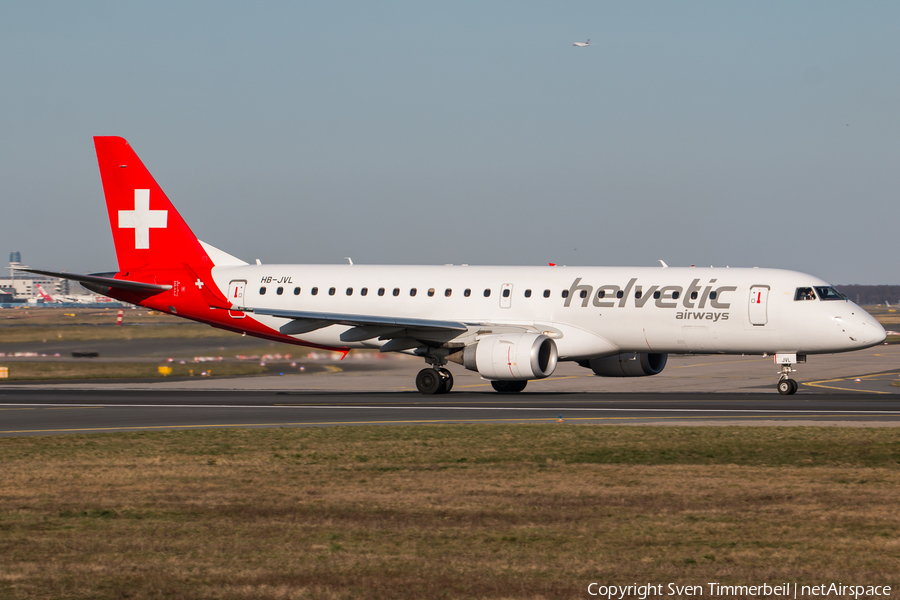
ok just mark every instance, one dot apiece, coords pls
pixel 867 331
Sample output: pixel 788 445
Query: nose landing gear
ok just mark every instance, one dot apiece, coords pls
pixel 787 386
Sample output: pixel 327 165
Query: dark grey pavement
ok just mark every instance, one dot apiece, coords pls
pixel 42 411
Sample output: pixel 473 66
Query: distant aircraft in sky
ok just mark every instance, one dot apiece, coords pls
pixel 510 324
pixel 582 44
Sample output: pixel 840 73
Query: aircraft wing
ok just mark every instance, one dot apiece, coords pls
pixel 101 279
pixel 403 332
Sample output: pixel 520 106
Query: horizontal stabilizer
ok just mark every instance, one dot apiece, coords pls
pixel 122 284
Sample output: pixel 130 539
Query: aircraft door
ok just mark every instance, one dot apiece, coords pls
pixel 506 295
pixel 759 295
pixel 236 297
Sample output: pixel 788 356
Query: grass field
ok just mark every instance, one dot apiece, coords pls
pixel 88 369
pixel 83 324
pixel 475 511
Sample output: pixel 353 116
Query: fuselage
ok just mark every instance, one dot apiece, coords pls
pixel 589 311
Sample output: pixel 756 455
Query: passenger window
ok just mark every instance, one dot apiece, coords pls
pixel 601 293
pixel 430 292
pixel 638 294
pixel 363 291
pixel 467 293
pixel 620 294
pixel 565 293
pixel 546 293
pixel 656 295
pixel 528 293
pixel 349 291
pixel 487 293
pixel 675 295
pixel 448 292
pixel 331 291
pixel 314 291
pixel 262 291
pixel 412 292
pixel 583 293
pixel 506 293
pixel 829 293
pixel 296 291
pixel 396 291
pixel 713 295
pixel 279 291
pixel 381 291
pixel 693 295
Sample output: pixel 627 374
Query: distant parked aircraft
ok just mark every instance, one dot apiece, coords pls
pixel 70 299
pixel 44 295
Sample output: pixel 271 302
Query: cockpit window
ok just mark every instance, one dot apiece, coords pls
pixel 805 294
pixel 829 293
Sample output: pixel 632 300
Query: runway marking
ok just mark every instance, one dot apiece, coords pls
pixel 333 369
pixel 52 407
pixel 571 401
pixel 403 422
pixel 553 409
pixel 844 389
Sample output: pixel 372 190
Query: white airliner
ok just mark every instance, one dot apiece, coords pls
pixel 582 44
pixel 510 324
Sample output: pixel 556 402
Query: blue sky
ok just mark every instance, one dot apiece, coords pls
pixel 746 134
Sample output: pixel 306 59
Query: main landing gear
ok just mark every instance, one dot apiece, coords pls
pixel 434 380
pixel 509 387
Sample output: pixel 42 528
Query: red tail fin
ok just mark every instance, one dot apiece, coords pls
pixel 147 230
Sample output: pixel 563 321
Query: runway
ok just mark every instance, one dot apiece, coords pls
pixel 44 412
pixel 855 389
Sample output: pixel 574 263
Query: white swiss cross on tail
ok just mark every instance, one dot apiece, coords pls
pixel 141 219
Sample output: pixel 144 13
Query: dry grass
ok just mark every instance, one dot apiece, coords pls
pixel 88 369
pixel 43 324
pixel 444 511
pixel 66 317
pixel 89 333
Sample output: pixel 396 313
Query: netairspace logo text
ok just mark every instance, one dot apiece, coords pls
pixel 715 590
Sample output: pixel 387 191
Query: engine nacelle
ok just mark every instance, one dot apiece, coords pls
pixel 629 364
pixel 510 356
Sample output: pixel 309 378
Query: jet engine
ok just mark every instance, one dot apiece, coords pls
pixel 510 356
pixel 628 364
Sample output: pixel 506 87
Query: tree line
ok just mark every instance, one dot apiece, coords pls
pixel 872 294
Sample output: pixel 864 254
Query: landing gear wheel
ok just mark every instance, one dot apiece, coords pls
pixel 509 387
pixel 429 381
pixel 787 387
pixel 446 382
